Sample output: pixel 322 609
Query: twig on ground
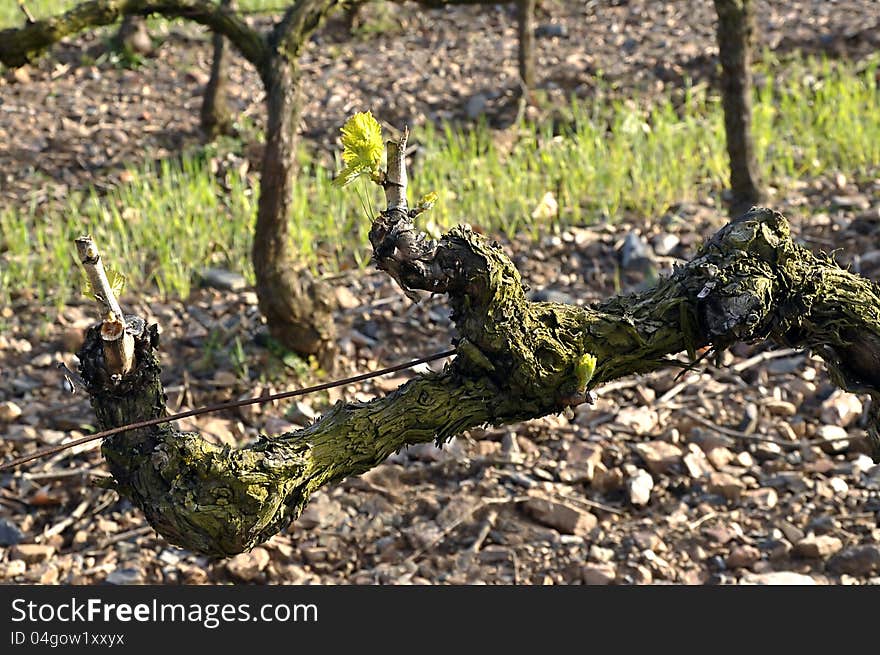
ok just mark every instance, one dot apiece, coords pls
pixel 485 528
pixel 736 434
pixel 767 355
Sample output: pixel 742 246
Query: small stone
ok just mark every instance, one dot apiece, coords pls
pixel 322 511
pixel 726 485
pixel 10 535
pixel 776 549
pixel 764 498
pixel 659 456
pixel 722 534
pixel 345 298
pixel 601 554
pixel 858 560
pixel 49 575
pixel 841 409
pixel 196 76
pixel 707 440
pixel 551 30
pixel 21 75
pixel 598 574
pixel 664 244
pixel 639 487
pixel 780 408
pixel 862 464
pixel 719 456
pixel 813 547
pixel 581 461
pixel 218 278
pixel 125 577
pixel 742 557
pixel 793 533
pixel 606 480
pixel 838 485
pixel 9 411
pixel 640 420
pixel 641 574
pixel 14 568
pixel 635 252
pixel 248 566
pixel 835 438
pixel 31 553
pixel 695 462
pixel 169 557
pixel 563 518
pixel 43 360
pixel 858 202
pixel 476 105
pixel 785 365
pixel 777 578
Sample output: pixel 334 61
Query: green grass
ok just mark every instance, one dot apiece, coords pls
pixel 613 158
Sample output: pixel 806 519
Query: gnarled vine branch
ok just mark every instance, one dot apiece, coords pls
pixel 17 45
pixel 516 360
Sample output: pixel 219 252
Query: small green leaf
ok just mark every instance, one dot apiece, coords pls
pixel 362 148
pixel 427 201
pixel 116 280
pixel 584 369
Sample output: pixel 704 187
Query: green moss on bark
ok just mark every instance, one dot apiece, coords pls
pixel 518 360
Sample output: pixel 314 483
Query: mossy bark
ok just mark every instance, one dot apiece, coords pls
pixel 19 44
pixel 517 360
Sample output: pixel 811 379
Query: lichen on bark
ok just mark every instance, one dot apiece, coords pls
pixel 517 360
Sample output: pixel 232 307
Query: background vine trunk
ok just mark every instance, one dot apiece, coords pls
pixel 216 117
pixel 735 31
pixel 298 307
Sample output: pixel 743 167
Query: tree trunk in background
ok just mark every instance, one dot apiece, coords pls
pixel 735 30
pixel 132 36
pixel 216 118
pixel 298 308
pixel 526 27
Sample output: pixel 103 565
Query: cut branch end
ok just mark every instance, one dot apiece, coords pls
pixel 118 342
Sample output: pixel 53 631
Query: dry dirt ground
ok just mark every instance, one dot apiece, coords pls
pixel 750 470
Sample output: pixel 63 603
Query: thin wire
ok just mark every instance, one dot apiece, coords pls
pixel 51 450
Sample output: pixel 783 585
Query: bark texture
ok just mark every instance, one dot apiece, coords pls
pixel 19 44
pixel 517 360
pixel 526 29
pixel 735 31
pixel 297 307
pixel 132 36
pixel 216 118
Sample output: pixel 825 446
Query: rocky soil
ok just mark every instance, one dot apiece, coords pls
pixel 749 470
